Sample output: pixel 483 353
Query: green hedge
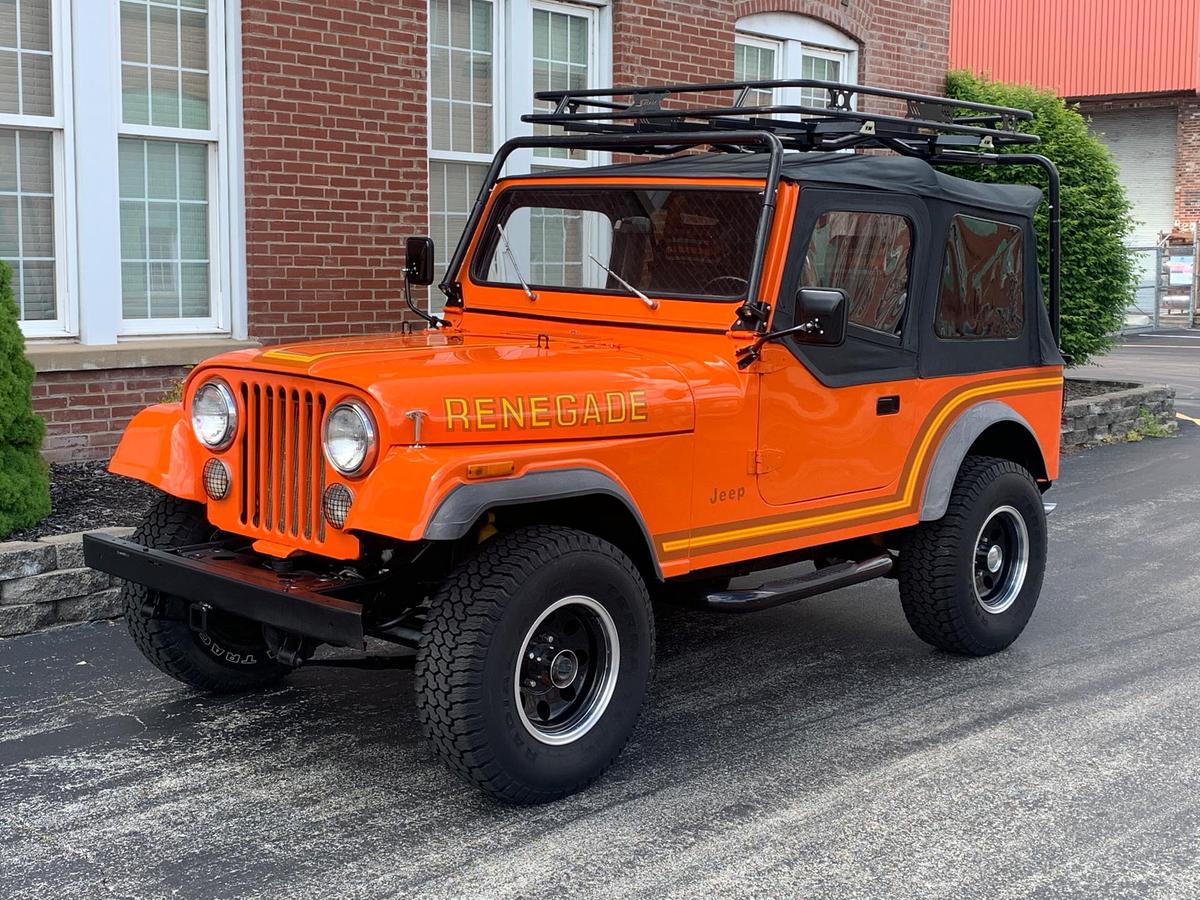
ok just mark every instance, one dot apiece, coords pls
pixel 24 482
pixel 1098 275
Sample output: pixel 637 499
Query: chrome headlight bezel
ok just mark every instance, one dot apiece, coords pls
pixel 370 438
pixel 229 408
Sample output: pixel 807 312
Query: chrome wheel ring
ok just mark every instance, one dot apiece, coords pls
pixel 566 673
pixel 1001 560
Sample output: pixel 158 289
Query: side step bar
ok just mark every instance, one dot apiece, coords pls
pixel 776 593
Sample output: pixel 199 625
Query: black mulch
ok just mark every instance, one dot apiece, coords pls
pixel 84 495
pixel 1078 389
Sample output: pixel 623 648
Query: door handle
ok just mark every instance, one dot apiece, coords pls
pixel 887 406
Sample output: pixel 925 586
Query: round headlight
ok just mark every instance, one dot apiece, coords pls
pixel 350 437
pixel 214 415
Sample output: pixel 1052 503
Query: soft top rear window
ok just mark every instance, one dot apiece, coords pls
pixel 693 243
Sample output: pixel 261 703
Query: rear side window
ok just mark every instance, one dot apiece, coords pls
pixel 866 255
pixel 983 281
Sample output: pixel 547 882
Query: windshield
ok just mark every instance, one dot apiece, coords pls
pixel 695 243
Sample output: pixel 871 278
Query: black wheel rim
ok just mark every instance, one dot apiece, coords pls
pixel 1001 560
pixel 567 670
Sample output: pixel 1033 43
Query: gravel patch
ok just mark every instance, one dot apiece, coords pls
pixel 84 495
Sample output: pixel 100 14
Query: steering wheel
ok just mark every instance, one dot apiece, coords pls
pixel 741 283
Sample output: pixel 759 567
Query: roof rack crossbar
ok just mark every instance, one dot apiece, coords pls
pixel 645 110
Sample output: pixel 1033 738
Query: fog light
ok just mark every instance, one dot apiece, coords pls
pixel 216 479
pixel 337 504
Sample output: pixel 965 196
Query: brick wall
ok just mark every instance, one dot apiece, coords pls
pixel 1187 163
pixel 334 109
pixel 905 43
pixel 85 412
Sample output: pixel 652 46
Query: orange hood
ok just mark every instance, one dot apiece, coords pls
pixel 485 388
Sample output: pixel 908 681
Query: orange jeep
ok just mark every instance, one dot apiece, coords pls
pixel 648 378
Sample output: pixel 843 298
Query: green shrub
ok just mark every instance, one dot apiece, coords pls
pixel 24 482
pixel 1098 274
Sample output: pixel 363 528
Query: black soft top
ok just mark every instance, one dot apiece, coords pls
pixel 894 174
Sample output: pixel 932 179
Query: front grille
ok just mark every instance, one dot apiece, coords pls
pixel 281 459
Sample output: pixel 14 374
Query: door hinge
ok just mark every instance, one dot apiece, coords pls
pixel 764 461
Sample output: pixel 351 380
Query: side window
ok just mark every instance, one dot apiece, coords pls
pixel 866 255
pixel 983 281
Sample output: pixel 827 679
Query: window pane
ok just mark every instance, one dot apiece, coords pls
pixel 983 281
pixel 35 25
pixel 27 221
pixel 461 75
pixel 452 191
pixel 26 64
pixel 692 243
pixel 10 94
pixel 867 256
pixel 165 76
pixel 164 230
pixel 135 43
pixel 135 95
pixel 752 62
pixel 560 62
pixel 818 68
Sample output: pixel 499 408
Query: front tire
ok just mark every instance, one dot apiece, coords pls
pixel 231 655
pixel 969 582
pixel 535 663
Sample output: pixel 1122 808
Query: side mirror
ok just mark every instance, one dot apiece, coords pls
pixel 418 260
pixel 821 316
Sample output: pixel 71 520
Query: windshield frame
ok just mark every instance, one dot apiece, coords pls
pixel 486 241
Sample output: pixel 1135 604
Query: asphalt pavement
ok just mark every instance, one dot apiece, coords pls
pixel 1166 356
pixel 816 750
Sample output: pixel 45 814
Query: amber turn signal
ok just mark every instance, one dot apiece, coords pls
pixel 491 470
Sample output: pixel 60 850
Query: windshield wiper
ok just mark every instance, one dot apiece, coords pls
pixel 653 304
pixel 512 258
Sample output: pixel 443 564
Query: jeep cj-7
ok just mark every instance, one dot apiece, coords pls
pixel 647 379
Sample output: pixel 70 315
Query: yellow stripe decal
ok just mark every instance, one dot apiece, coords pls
pixel 897 506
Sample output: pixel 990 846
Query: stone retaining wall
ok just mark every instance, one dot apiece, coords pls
pixel 45 583
pixel 1109 417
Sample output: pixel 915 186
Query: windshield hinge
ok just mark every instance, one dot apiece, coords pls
pixel 752 316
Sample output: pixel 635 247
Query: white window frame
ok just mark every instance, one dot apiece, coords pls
pixel 64 323
pixel 798 36
pixel 87 126
pixel 512 74
pixel 213 137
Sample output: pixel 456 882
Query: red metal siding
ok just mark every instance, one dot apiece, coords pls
pixel 1081 48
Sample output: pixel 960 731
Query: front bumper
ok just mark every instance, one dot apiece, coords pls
pixel 237 583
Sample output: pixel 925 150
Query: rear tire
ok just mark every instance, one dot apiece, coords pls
pixel 969 582
pixel 535 663
pixel 232 655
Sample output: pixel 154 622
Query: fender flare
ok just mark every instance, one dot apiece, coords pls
pixel 953 450
pixel 462 507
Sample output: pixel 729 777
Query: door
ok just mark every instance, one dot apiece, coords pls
pixel 839 421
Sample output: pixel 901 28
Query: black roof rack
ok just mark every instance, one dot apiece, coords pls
pixel 929 126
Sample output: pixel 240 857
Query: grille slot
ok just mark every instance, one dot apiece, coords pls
pixel 282 462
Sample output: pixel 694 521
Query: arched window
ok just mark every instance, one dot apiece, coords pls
pixel 787 45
